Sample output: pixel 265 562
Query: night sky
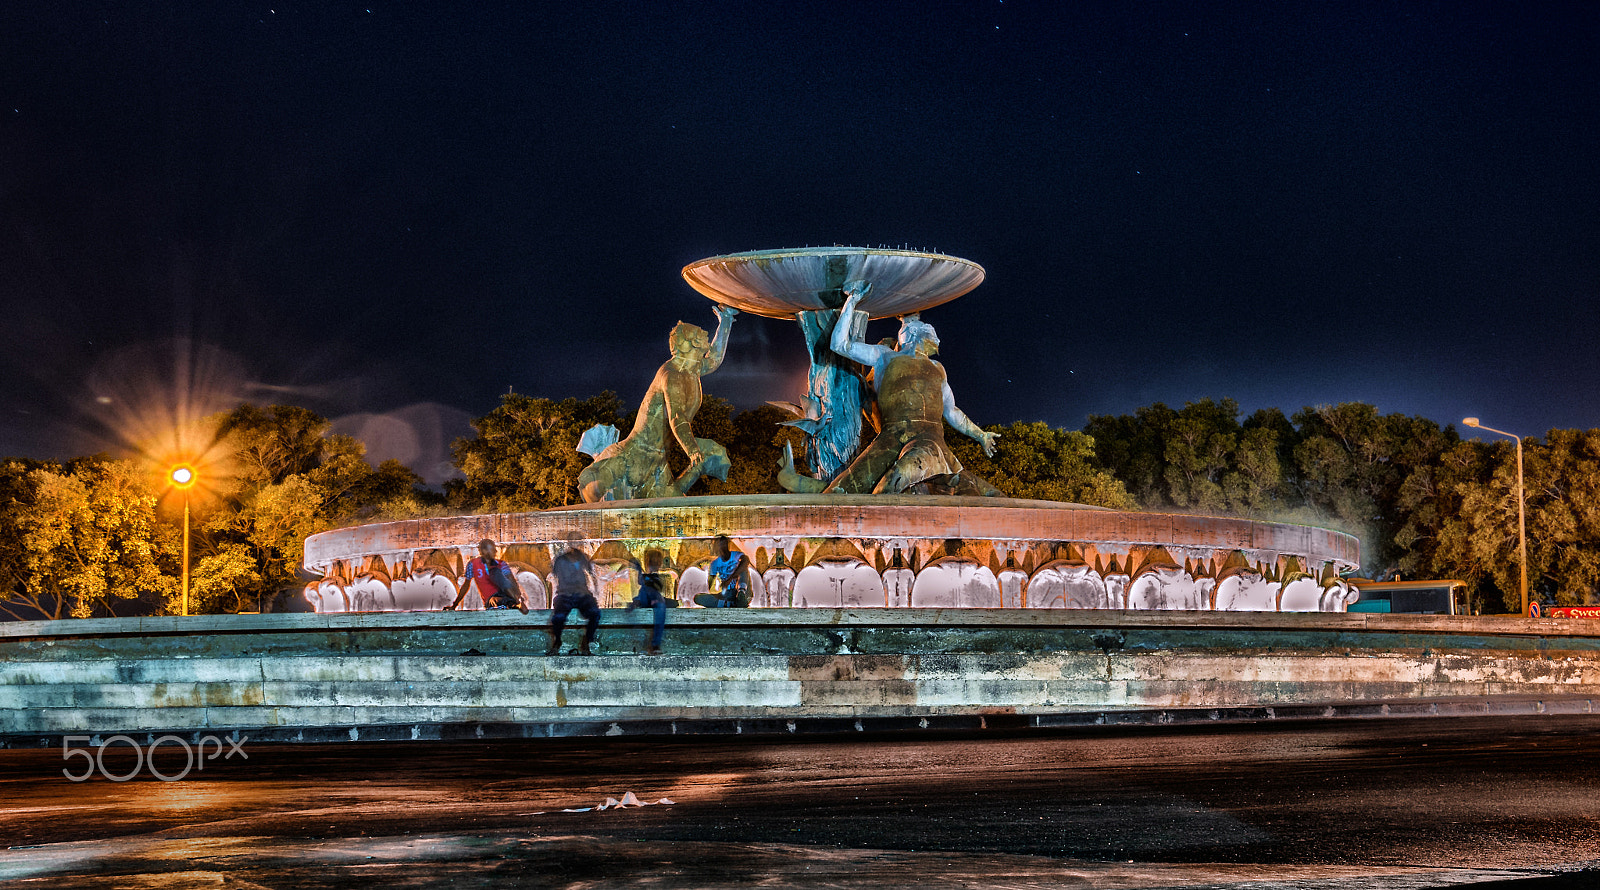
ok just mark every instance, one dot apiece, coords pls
pixel 391 214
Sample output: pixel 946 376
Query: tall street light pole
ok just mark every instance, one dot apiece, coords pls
pixel 183 479
pixel 1522 507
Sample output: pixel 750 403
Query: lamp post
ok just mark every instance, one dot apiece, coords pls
pixel 1522 507
pixel 182 477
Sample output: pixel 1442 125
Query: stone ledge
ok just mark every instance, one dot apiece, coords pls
pixel 831 619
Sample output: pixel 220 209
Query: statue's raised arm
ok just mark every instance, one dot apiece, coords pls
pixel 869 354
pixel 719 340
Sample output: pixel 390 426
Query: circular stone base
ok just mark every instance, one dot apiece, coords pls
pixel 861 550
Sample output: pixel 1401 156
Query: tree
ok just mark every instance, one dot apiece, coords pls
pixel 1479 538
pixel 1035 460
pixel 525 454
pixel 87 537
pixel 1133 449
pixel 282 477
pixel 1200 441
pixel 1198 458
pixel 1356 465
pixel 754 440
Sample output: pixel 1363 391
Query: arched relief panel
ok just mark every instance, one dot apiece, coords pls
pixel 1168 588
pixel 836 550
pixel 898 582
pixel 1303 594
pixel 441 562
pixel 1013 583
pixel 375 568
pixel 327 596
pixel 956 583
pixel 615 583
pixel 1117 588
pixel 423 592
pixel 534 591
pixel 1246 592
pixel 692 581
pixel 838 584
pixel 534 558
pixel 368 594
pixel 1068 585
pixel 778 586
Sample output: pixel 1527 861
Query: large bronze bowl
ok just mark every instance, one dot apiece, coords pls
pixel 780 283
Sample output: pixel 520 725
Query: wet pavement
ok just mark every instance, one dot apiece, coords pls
pixel 1395 803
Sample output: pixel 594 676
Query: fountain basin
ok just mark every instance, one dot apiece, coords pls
pixel 845 551
pixel 780 283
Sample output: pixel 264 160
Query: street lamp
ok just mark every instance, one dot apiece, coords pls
pixel 1522 507
pixel 183 477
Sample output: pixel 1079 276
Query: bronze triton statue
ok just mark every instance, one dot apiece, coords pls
pixel 914 401
pixel 636 467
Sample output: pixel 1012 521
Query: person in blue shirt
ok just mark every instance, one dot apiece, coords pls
pixel 729 575
pixel 651 596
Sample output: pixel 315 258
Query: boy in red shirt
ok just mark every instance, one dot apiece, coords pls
pixel 497 585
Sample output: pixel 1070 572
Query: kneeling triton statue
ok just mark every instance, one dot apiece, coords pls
pixel 914 401
pixel 636 467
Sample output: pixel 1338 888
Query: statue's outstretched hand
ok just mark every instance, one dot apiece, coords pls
pixel 725 313
pixel 988 443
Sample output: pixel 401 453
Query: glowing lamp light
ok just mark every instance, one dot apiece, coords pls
pixel 182 475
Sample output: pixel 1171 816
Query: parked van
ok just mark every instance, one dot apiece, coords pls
pixel 1447 597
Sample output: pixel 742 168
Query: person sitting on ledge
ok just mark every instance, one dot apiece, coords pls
pixel 497 584
pixel 729 577
pixel 651 597
pixel 575 585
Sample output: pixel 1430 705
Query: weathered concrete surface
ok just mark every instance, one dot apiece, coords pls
pixel 406 675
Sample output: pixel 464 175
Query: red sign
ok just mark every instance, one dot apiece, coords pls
pixel 1574 612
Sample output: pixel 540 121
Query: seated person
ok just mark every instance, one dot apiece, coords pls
pixel 651 597
pixel 497 584
pixel 729 575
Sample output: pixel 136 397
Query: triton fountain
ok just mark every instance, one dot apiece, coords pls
pixel 898 523
pixel 1042 614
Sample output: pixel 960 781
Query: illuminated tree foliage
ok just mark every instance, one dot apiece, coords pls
pixel 1035 460
pixel 525 454
pixel 79 537
pixel 1478 538
pixel 284 476
pixel 1375 476
pixel 754 440
pixel 1200 458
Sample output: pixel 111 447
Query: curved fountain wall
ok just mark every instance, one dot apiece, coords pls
pixel 841 551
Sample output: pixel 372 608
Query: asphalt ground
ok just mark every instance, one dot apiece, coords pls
pixel 1511 802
